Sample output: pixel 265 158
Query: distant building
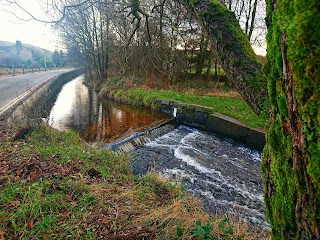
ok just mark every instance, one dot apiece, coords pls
pixel 18 47
pixel 10 49
pixel 17 53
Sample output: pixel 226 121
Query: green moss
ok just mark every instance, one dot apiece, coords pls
pixel 230 38
pixel 283 105
pixel 280 208
pixel 293 25
pixel 221 13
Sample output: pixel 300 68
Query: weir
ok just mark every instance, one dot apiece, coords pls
pixel 139 138
pixel 222 173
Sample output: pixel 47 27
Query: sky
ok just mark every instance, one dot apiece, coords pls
pixel 34 32
pixel 31 32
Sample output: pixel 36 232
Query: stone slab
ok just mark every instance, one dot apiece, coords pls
pixel 228 127
pixel 256 138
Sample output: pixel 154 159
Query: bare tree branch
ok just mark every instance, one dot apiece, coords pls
pixel 135 10
pixel 63 11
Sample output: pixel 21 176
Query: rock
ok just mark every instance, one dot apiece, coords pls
pixel 22 133
pixel 93 173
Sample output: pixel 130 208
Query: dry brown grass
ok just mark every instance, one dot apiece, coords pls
pixel 159 214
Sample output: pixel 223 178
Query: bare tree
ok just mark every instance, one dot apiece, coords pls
pixel 251 15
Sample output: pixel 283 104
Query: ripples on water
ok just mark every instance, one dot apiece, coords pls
pixel 224 175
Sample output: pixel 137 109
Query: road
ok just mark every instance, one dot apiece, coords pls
pixel 13 87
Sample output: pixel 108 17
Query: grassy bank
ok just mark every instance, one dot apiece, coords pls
pixel 222 102
pixel 53 186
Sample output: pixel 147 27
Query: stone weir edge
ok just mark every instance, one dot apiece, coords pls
pixel 203 118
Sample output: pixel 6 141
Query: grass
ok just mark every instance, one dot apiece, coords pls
pixel 230 106
pixel 54 186
pixel 212 71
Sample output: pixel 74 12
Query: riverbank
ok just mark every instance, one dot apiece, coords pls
pixel 217 97
pixel 54 186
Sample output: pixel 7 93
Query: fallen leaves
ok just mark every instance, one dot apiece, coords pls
pixel 66 213
pixel 30 224
pixel 2 235
pixel 68 197
pixel 19 172
pixel 2 218
pixel 22 168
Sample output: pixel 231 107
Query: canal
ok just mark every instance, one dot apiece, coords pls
pixel 98 121
pixel 223 174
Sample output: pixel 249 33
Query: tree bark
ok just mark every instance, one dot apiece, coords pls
pixel 291 158
pixel 200 58
pixel 233 50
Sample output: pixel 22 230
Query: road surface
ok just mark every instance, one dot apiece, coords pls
pixel 13 87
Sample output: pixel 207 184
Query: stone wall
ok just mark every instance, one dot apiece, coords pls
pixel 204 118
pixel 39 104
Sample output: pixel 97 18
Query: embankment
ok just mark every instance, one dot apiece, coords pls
pixel 38 105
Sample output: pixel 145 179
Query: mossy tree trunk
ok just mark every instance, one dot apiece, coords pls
pixel 291 158
pixel 233 50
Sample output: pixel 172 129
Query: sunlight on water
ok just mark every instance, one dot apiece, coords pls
pixel 97 121
pixel 73 96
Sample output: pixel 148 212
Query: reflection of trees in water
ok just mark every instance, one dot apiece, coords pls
pixel 81 105
pixel 113 120
pixel 97 121
pixel 105 120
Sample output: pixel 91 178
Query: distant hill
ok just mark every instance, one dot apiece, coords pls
pixel 19 54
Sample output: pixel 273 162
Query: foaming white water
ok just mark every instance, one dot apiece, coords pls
pixel 255 216
pixel 217 178
pixel 177 174
pixel 192 162
pixel 254 154
pixel 159 145
pixel 223 174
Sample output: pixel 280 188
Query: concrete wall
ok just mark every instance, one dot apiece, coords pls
pixel 40 103
pixel 203 118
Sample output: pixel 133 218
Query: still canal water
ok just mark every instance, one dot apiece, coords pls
pixel 223 174
pixel 97 121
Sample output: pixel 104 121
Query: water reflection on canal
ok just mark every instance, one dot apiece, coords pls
pixel 97 121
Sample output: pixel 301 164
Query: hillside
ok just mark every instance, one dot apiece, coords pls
pixel 19 54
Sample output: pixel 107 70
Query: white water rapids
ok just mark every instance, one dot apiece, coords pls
pixel 224 175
